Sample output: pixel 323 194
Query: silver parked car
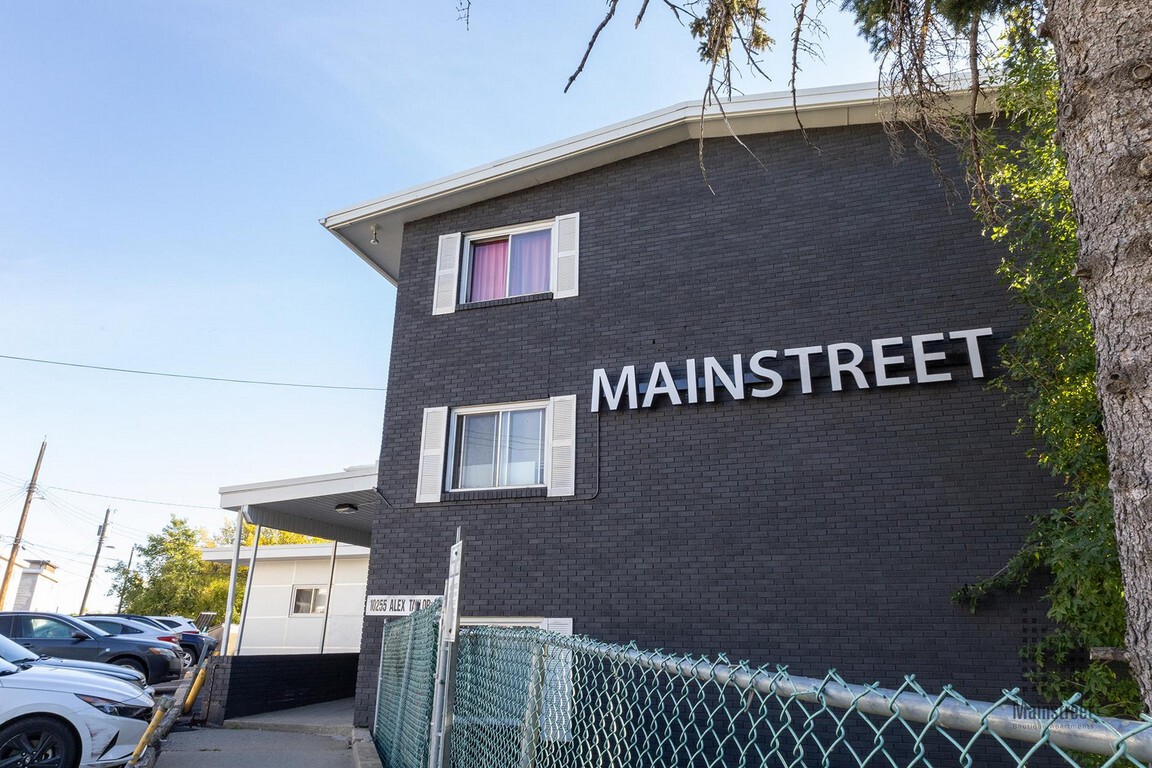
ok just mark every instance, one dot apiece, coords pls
pixel 16 654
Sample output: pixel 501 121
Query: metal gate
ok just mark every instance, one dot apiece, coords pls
pixel 404 692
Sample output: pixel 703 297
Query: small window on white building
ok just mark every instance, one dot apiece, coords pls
pixel 309 600
pixel 541 257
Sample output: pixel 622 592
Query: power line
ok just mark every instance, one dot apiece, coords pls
pixel 189 376
pixel 138 501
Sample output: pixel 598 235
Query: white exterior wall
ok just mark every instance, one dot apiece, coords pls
pixel 270 627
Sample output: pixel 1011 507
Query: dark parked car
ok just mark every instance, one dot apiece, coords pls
pixel 195 645
pixel 66 637
pixel 14 653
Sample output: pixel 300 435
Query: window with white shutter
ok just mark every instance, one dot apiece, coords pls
pixel 562 446
pixel 430 475
pixel 447 266
pixel 527 259
pixel 566 258
pixel 529 444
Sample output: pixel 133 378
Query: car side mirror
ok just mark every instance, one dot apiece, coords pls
pixel 78 635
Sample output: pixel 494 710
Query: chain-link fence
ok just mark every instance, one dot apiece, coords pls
pixel 404 693
pixel 527 698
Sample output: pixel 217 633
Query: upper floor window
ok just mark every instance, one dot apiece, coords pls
pixel 514 264
pixel 540 257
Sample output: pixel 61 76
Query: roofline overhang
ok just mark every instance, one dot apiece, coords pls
pixel 285 552
pixel 842 105
pixel 352 479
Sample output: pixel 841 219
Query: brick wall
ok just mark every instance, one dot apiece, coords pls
pixel 817 531
pixel 248 685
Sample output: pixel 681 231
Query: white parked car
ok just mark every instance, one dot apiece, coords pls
pixel 178 623
pixel 68 719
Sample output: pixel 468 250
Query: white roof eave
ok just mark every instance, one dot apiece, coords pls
pixel 819 107
pixel 842 105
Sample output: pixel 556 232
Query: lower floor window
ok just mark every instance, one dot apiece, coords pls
pixel 499 448
pixel 489 448
pixel 307 600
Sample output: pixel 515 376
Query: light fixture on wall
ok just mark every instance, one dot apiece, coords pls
pixel 374 241
pixel 346 509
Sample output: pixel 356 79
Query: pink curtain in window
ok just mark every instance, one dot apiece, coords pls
pixel 531 256
pixel 489 270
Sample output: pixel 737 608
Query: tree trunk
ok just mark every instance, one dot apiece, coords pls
pixel 1104 55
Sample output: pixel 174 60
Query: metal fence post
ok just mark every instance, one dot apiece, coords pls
pixel 530 736
pixel 379 679
pixel 439 750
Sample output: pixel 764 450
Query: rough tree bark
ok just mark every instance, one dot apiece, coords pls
pixel 1104 55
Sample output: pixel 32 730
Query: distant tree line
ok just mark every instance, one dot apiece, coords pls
pixel 171 579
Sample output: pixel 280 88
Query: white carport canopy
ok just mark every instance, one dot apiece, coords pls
pixel 307 505
pixel 338 507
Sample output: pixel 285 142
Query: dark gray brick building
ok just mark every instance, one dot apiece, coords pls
pixel 822 529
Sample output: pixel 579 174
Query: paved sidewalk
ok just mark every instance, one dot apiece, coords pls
pixel 330 717
pixel 305 737
pixel 235 748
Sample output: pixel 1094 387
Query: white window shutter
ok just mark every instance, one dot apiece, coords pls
pixel 447 268
pixel 430 477
pixel 559 626
pixel 556 707
pixel 562 476
pixel 566 257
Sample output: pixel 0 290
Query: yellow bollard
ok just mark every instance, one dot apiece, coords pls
pixel 161 709
pixel 197 684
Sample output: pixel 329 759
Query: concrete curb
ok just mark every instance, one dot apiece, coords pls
pixel 364 754
pixel 343 731
pixel 156 743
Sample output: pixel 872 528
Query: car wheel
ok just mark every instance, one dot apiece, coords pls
pixel 189 656
pixel 39 742
pixel 132 664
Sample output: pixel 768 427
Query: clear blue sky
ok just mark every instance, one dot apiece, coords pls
pixel 163 169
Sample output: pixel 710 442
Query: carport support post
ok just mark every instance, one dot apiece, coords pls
pixel 248 587
pixel 232 580
pixel 328 604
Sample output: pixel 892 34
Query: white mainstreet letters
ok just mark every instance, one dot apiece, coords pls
pixel 734 384
pixel 880 362
pixel 804 353
pixel 888 369
pixel 973 348
pixel 600 386
pixel 837 367
pixel 765 373
pixel 661 383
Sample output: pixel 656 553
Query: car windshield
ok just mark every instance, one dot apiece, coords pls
pixel 7 669
pixel 13 652
pixel 89 628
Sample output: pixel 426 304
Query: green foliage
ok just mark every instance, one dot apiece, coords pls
pixel 725 20
pixel 1050 366
pixel 226 536
pixel 172 578
pixel 881 21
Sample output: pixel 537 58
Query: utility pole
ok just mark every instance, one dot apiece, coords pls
pixel 20 528
pixel 95 560
pixel 124 583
